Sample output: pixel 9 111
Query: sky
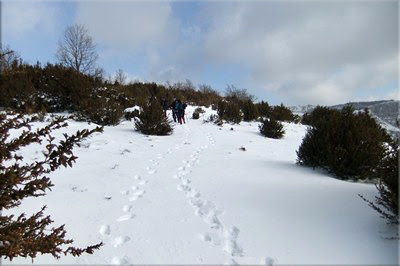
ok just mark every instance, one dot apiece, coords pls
pixel 291 52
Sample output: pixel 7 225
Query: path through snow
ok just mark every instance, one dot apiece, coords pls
pixel 196 197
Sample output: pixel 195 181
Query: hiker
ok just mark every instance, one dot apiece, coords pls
pixel 181 111
pixel 174 110
pixel 184 105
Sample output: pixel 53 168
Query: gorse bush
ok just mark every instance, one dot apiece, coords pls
pixel 229 111
pixel 196 115
pixel 318 114
pixel 271 128
pixel 250 111
pixel 53 88
pixel 346 144
pixel 152 121
pixel 264 109
pixel 199 110
pixel 27 236
pixel 103 106
pixel 387 203
pixel 283 113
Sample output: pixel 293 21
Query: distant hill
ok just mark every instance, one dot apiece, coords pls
pixel 386 112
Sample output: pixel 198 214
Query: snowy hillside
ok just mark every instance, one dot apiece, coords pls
pixel 209 195
pixel 385 112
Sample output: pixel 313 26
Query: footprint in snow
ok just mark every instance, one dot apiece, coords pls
pixel 137 177
pixel 211 237
pixel 105 230
pixel 136 195
pixel 119 261
pixel 125 151
pixel 126 208
pixel 185 182
pixel 152 171
pixel 125 217
pixel 268 261
pixel 143 182
pixel 182 187
pixel 119 241
pixel 193 194
pixel 231 245
pixel 125 192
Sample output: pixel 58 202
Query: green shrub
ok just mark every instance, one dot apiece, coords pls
pixel 199 110
pixel 103 106
pixel 196 115
pixel 317 115
pixel 229 111
pixel 282 113
pixel 22 235
pixel 387 204
pixel 131 114
pixel 152 121
pixel 271 128
pixel 346 144
pixel 264 109
pixel 250 111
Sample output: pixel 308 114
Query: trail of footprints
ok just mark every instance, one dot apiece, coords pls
pixel 134 193
pixel 218 234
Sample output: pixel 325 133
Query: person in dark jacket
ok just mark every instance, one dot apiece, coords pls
pixel 173 106
pixel 184 105
pixel 181 111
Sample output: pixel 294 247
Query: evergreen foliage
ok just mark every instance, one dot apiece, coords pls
pixel 103 106
pixel 196 115
pixel 229 111
pixel 271 128
pixel 346 144
pixel 197 112
pixel 264 109
pixel 283 113
pixel 318 114
pixel 152 121
pixel 27 236
pixel 250 111
pixel 387 203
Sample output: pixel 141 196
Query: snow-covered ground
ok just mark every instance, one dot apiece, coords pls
pixel 197 197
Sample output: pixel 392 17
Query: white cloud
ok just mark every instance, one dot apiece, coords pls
pixel 22 17
pixel 128 25
pixel 309 52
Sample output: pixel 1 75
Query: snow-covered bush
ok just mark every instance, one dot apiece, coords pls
pixel 152 120
pixel 27 236
pixel 196 115
pixel 197 112
pixel 346 144
pixel 271 128
pixel 103 106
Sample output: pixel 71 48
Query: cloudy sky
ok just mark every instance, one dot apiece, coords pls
pixel 295 52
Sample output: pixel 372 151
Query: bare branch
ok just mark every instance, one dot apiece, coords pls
pixel 77 49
